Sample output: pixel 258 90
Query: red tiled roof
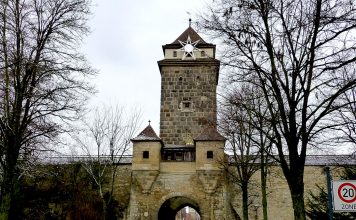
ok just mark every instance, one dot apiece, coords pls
pixel 209 134
pixel 148 134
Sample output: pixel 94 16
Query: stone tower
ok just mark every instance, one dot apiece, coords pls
pixel 189 76
pixel 182 167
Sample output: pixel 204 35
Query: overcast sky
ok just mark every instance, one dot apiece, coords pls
pixel 125 45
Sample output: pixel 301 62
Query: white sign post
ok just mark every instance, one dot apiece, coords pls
pixel 344 194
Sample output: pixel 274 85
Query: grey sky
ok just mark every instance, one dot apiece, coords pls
pixel 125 45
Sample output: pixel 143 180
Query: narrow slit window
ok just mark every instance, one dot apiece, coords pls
pixel 146 154
pixel 209 154
pixel 202 53
pixel 174 53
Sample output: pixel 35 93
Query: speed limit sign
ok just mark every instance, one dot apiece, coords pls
pixel 344 194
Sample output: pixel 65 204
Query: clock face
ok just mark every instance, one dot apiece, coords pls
pixel 188 48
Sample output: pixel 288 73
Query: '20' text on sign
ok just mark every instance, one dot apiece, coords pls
pixel 344 194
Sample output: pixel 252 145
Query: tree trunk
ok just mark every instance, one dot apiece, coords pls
pixel 264 187
pixel 104 209
pixel 244 188
pixel 7 194
pixel 9 180
pixel 298 205
pixel 5 206
pixel 296 186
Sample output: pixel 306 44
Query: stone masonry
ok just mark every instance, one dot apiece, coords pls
pixel 182 167
pixel 188 99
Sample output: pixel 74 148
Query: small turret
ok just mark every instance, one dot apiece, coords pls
pixel 146 150
pixel 209 149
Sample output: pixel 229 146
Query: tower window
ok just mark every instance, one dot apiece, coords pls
pixel 174 53
pixel 186 106
pixel 202 53
pixel 209 154
pixel 146 154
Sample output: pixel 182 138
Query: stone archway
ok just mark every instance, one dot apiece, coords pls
pixel 171 206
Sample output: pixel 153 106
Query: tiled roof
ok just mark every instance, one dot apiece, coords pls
pixel 65 159
pixel 319 160
pixel 194 36
pixel 315 160
pixel 148 134
pixel 209 134
pixel 310 160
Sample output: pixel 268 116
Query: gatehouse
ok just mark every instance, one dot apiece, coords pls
pixel 183 165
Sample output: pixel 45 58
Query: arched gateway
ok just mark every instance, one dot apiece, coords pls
pixel 182 166
pixel 171 206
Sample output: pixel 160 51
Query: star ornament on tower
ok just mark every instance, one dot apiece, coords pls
pixel 188 48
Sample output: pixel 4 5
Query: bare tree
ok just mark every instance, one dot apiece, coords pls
pixel 246 130
pixel 266 153
pixel 298 53
pixel 257 115
pixel 106 142
pixel 43 78
pixel 244 152
pixel 348 116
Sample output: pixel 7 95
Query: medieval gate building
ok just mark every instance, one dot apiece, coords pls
pixel 182 167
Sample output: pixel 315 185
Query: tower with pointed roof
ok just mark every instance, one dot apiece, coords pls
pixel 182 166
pixel 189 76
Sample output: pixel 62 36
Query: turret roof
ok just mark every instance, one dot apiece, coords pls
pixel 209 134
pixel 194 36
pixel 148 134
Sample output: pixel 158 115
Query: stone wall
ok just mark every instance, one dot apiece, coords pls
pixel 166 167
pixel 278 195
pixel 204 191
pixel 204 163
pixel 122 189
pixel 154 154
pixel 188 100
pixel 212 192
